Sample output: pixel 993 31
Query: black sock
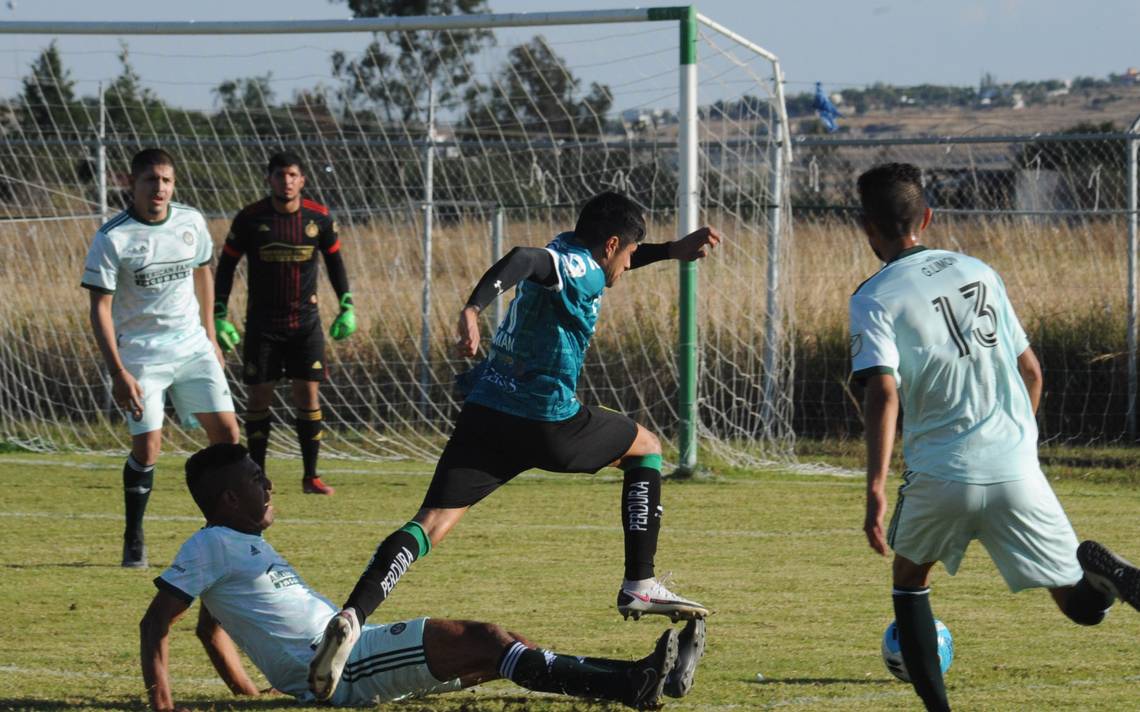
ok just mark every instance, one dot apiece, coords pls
pixel 391 561
pixel 309 426
pixel 641 514
pixel 918 641
pixel 1086 605
pixel 544 671
pixel 138 480
pixel 258 423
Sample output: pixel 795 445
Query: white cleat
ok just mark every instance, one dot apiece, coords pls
pixel 690 648
pixel 1110 573
pixel 327 664
pixel 653 598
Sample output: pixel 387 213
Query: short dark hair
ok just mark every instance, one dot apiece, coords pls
pixel 892 199
pixel 203 473
pixel 284 159
pixel 607 214
pixel 150 157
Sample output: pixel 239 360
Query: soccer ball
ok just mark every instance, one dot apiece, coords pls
pixel 892 653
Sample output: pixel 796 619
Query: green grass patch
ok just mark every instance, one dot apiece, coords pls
pixel 779 557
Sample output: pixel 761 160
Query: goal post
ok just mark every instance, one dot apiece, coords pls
pixel 511 164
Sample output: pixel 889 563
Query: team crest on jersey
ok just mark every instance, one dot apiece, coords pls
pixel 188 237
pixel 856 344
pixel 311 230
pixel 263 228
pixel 575 265
pixel 335 226
pixel 398 628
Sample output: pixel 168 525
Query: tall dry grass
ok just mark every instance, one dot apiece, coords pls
pixel 1067 280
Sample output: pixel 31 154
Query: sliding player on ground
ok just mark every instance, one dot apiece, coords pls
pixel 252 599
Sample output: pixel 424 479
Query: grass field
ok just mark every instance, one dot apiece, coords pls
pixel 797 596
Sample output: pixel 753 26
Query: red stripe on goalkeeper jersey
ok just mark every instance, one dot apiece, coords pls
pixel 231 250
pixel 335 247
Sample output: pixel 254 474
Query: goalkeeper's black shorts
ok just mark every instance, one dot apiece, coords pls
pixel 488 448
pixel 269 355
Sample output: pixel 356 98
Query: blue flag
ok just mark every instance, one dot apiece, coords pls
pixel 826 110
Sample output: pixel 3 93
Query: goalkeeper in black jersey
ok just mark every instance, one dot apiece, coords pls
pixel 281 236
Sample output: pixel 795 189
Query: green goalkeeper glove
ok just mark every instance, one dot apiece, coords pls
pixel 344 325
pixel 225 331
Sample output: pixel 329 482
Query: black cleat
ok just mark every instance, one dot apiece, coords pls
pixel 647 676
pixel 1109 573
pixel 690 648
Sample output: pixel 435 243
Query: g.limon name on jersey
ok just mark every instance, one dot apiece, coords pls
pixel 538 349
pixel 261 602
pixel 149 267
pixel 941 322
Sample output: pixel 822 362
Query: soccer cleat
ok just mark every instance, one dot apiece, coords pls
pixel 647 676
pixel 690 648
pixel 1110 573
pixel 313 485
pixel 328 661
pixel 134 554
pixel 656 599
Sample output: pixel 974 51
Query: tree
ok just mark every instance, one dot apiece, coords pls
pixel 536 91
pixel 49 94
pixel 399 69
pixel 247 93
pixel 129 104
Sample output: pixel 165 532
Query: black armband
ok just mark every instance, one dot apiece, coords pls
pixel 531 263
pixel 646 254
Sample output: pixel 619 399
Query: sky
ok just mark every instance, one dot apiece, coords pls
pixel 842 43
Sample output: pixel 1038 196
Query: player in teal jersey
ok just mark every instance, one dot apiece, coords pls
pixel 933 335
pixel 252 599
pixel 522 413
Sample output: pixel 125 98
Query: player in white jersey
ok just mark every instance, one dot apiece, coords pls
pixel 148 274
pixel 934 335
pixel 253 600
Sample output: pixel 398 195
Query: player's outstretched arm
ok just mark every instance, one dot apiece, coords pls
pixel 696 245
pixel 880 418
pixel 223 654
pixel 154 638
pixel 467 332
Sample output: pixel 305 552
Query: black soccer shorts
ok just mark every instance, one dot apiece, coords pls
pixel 488 448
pixel 294 354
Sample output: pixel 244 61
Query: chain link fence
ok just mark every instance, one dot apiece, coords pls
pixel 1049 212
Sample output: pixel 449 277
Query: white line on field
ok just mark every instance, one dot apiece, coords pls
pixel 749 533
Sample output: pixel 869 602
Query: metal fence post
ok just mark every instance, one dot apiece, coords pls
pixel 496 255
pixel 425 308
pixel 1130 156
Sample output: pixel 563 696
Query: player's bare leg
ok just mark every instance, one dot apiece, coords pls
pixel 641 592
pixel 477 652
pixel 221 427
pixel 138 480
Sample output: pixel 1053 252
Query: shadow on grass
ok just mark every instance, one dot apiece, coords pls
pixel 61 565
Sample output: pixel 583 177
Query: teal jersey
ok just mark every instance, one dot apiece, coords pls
pixel 538 350
pixel 942 324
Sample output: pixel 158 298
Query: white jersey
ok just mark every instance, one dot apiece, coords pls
pixel 149 267
pixel 261 602
pixel 941 322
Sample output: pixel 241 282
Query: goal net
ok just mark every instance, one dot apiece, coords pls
pixel 437 150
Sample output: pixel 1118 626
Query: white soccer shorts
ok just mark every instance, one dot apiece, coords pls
pixel 1020 523
pixel 387 664
pixel 197 384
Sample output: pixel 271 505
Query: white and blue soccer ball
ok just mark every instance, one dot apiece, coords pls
pixel 892 653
